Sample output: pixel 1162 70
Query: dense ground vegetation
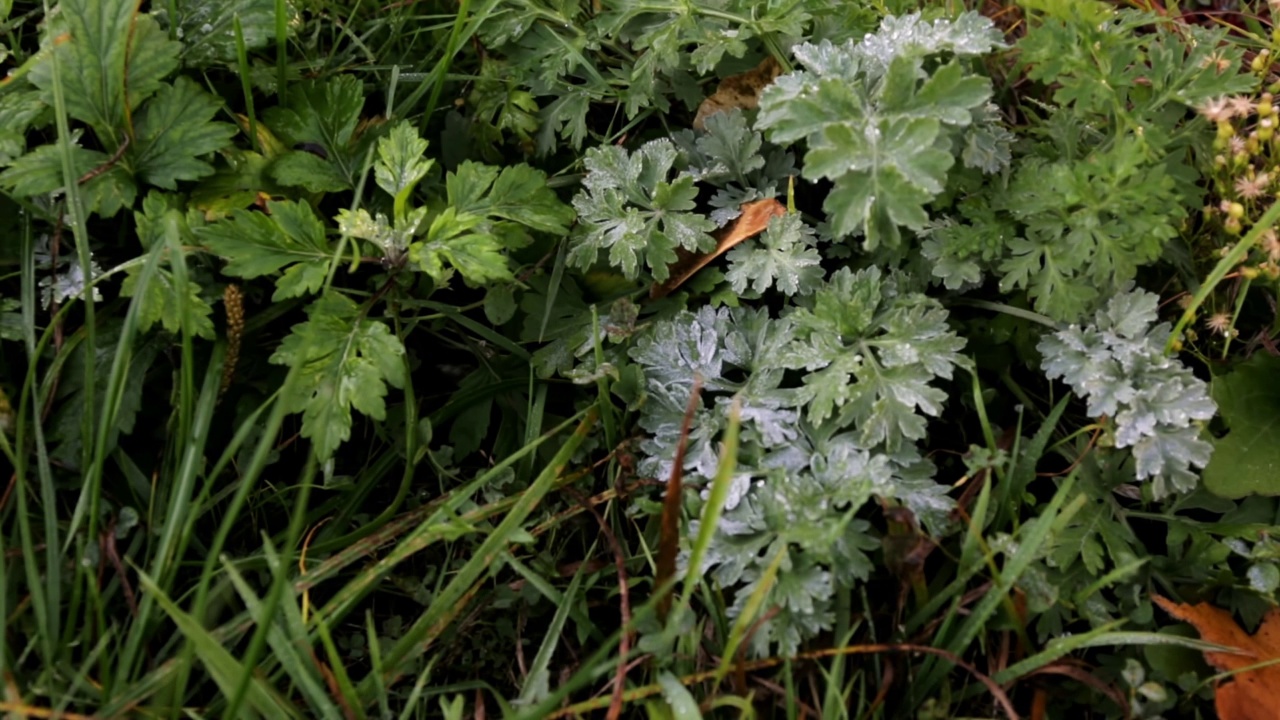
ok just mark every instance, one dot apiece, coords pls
pixel 544 358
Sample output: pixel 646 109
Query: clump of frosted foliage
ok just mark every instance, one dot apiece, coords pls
pixel 1119 365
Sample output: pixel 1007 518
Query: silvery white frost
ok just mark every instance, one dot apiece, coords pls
pixel 1119 365
pixel 809 458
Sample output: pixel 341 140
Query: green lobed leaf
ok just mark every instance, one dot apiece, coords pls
pixel 518 193
pixel 111 47
pixel 325 114
pixel 207 28
pixel 173 131
pixel 1246 461
pixel 296 168
pixel 345 361
pixel 256 244
pixel 40 172
pixel 401 164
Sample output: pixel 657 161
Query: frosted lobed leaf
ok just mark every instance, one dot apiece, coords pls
pixel 871 355
pixel 969 35
pixel 884 126
pixel 783 257
pixel 1118 364
pixel 797 482
pixel 630 209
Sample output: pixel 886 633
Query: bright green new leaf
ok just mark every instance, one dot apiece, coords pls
pixel 401 164
pixel 109 39
pixel 392 240
pixel 256 244
pixel 1247 460
pixel 173 131
pixel 345 361
pixel 518 193
pixel 461 241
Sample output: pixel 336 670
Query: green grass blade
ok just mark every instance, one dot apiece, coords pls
pixel 287 637
pixel 540 672
pixel 223 668
pixel 446 601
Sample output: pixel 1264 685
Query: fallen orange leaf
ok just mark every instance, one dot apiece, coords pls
pixel 753 220
pixel 1248 694
pixel 738 91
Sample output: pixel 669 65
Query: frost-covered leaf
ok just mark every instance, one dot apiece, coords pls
pixel 344 361
pixel 256 244
pixel 798 483
pixel 1118 363
pixel 734 158
pixel 878 124
pixel 871 356
pixel 174 131
pixel 783 257
pixel 629 209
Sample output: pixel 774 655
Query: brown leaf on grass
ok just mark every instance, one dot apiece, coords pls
pixel 753 220
pixel 1247 694
pixel 738 91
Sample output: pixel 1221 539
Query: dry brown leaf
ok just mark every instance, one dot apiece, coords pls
pixel 1248 694
pixel 753 220
pixel 738 91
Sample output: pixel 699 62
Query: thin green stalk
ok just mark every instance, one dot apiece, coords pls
pixel 1224 266
pixel 46 594
pixel 266 441
pixel 246 82
pixel 464 8
pixel 177 520
pixel 282 47
pixel 447 600
pixel 279 582
pixel 77 216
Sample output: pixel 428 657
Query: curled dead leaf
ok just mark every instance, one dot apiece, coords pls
pixel 1249 694
pixel 738 91
pixel 753 220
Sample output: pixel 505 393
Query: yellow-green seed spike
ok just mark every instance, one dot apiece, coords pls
pixel 791 194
